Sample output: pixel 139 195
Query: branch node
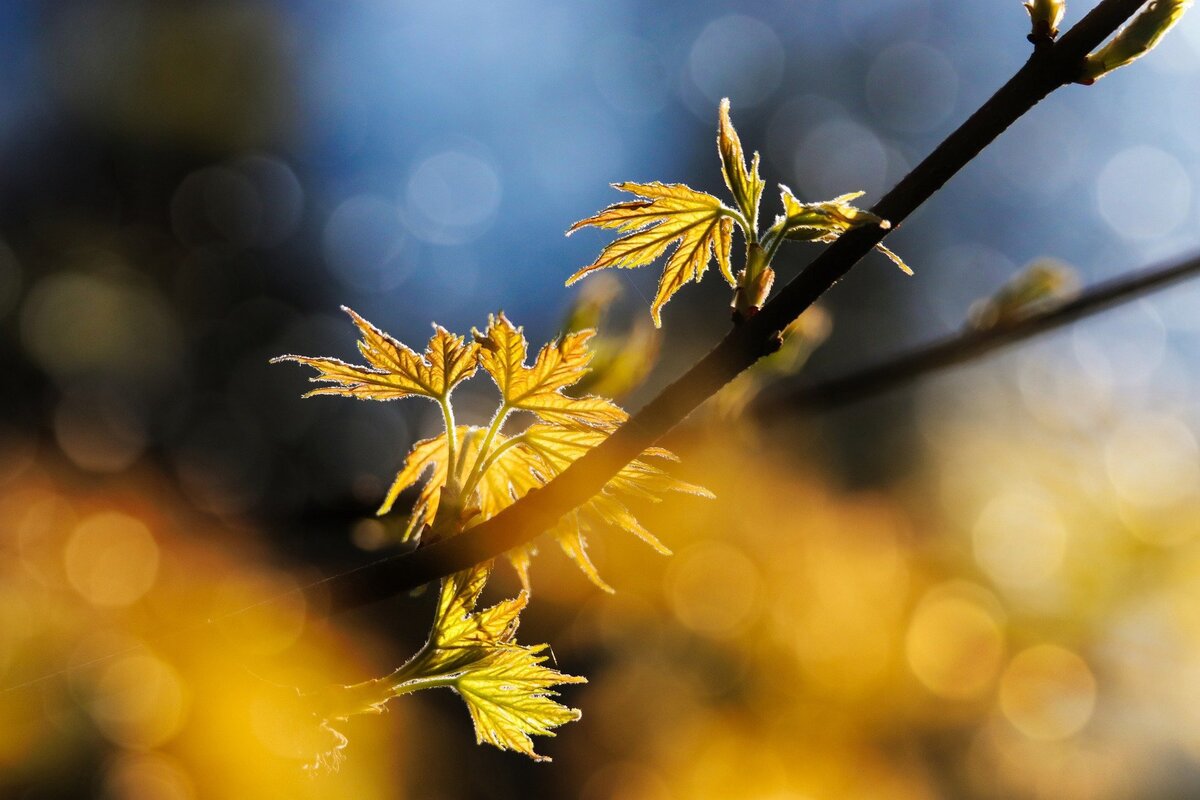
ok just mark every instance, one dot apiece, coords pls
pixel 773 344
pixel 741 316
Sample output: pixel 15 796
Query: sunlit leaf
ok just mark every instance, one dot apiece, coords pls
pixel 825 221
pixel 394 370
pixel 698 224
pixel 569 533
pixel 744 184
pixel 539 388
pixel 512 474
pixel 459 625
pixel 506 686
pixel 493 470
pixel 509 696
pixel 425 456
pixel 526 462
pixel 557 447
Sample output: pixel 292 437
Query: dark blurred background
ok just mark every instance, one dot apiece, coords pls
pixel 190 188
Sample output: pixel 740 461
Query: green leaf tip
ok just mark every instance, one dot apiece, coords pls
pixel 1045 16
pixel 1139 37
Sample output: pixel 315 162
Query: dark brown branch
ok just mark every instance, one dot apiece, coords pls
pixel 970 344
pixel 1049 68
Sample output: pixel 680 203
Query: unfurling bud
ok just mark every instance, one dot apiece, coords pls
pixel 754 284
pixel 1045 15
pixel 1134 40
pixel 1043 285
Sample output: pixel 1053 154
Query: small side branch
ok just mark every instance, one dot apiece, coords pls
pixel 1048 69
pixel 969 345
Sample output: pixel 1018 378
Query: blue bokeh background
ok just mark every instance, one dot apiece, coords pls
pixel 226 175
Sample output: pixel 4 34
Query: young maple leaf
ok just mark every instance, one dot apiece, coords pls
pixel 425 455
pixel 555 447
pixel 395 371
pixel 826 220
pixel 503 468
pixel 509 475
pixel 673 213
pixel 701 226
pixel 665 214
pixel 506 687
pixel 527 461
pixel 744 184
pixel 539 388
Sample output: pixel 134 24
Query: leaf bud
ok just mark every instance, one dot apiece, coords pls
pixel 1045 16
pixel 1133 41
pixel 754 283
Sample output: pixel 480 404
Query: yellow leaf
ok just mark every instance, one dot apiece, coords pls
pixel 539 454
pixel 538 388
pixel 826 220
pixel 509 698
pixel 569 533
pixel 394 370
pixel 520 559
pixel 557 447
pixel 745 185
pixel 458 624
pixel 511 475
pixel 427 454
pixel 505 685
pixel 517 465
pixel 606 508
pixel 507 689
pixel 502 469
pixel 667 214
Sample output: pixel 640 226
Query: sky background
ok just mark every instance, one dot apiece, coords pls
pixel 230 173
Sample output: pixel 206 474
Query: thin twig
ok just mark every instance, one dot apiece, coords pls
pixel 1047 69
pixel 969 344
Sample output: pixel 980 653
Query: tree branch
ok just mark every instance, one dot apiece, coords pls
pixel 1048 68
pixel 970 344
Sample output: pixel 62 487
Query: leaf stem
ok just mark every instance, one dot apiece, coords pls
pixel 479 467
pixel 369 696
pixel 499 451
pixel 451 442
pixel 417 684
pixel 737 216
pixel 772 244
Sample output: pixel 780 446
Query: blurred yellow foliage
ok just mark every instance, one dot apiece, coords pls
pixel 105 657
